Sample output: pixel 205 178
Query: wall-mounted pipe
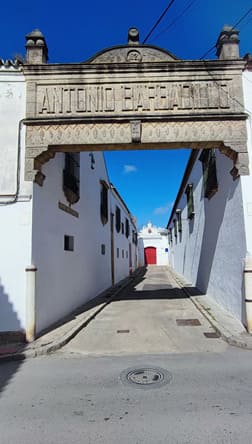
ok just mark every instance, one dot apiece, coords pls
pixel 30 303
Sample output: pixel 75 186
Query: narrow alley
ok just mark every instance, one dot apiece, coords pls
pixel 151 315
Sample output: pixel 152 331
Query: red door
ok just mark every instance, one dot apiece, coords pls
pixel 150 256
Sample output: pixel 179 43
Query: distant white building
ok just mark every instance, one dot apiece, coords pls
pixel 153 245
pixel 64 238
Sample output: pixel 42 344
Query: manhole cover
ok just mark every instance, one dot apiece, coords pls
pixel 146 377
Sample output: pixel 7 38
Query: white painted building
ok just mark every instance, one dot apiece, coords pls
pixel 55 255
pixel 210 227
pixel 153 245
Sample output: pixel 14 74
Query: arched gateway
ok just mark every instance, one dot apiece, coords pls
pixel 134 97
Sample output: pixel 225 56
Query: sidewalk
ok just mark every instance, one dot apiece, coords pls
pixel 69 327
pixel 229 328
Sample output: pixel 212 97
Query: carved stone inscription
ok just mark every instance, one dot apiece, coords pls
pixel 163 97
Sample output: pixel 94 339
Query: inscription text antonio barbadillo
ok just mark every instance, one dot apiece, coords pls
pixel 145 97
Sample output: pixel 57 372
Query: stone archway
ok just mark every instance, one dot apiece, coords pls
pixel 134 97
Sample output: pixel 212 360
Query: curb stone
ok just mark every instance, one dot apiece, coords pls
pixel 111 293
pixel 242 340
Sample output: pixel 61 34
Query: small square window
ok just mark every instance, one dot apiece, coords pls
pixel 103 249
pixel 68 243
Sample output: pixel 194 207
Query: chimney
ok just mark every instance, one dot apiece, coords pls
pixel 36 48
pixel 228 44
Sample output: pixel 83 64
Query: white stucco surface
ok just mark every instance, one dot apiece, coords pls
pixel 16 218
pixel 211 249
pixel 151 236
pixel 122 244
pixel 246 181
pixel 67 279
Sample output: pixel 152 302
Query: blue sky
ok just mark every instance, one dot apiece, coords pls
pixel 76 30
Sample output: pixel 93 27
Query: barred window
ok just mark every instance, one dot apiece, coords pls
pixel 179 219
pixel 175 228
pixel 104 202
pixel 170 236
pixel 118 220
pixel 190 202
pixel 127 228
pixel 71 177
pixel 210 182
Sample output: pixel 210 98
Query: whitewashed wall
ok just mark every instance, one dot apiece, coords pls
pixel 16 218
pixel 121 243
pixel 66 279
pixel 158 239
pixel 211 250
pixel 246 181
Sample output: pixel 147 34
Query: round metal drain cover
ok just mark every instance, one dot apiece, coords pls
pixel 146 377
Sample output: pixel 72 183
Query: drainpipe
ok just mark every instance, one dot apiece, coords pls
pixel 248 291
pixel 30 303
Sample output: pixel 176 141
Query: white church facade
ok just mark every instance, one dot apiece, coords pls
pixel 153 245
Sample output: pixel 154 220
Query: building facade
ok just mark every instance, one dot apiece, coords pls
pixel 153 245
pixel 66 234
pixel 60 242
pixel 210 227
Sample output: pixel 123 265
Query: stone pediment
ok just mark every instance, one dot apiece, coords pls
pixel 133 54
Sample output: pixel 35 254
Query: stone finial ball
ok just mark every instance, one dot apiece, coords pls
pixel 133 35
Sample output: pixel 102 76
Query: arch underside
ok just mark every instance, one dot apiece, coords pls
pixel 44 139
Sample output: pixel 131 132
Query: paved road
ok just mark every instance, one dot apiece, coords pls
pixel 67 399
pixel 143 319
pixel 79 397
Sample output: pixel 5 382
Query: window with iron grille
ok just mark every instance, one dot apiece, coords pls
pixel 190 202
pixel 170 236
pixel 175 228
pixel 71 177
pixel 127 228
pixel 179 219
pixel 104 202
pixel 208 160
pixel 118 220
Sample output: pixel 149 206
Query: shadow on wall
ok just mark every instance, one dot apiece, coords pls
pixel 141 252
pixel 8 317
pixel 211 232
pixel 10 330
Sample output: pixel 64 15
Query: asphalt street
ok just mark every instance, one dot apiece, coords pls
pixel 67 399
pixel 134 375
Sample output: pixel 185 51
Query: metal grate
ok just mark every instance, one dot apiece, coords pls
pixel 188 322
pixel 212 335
